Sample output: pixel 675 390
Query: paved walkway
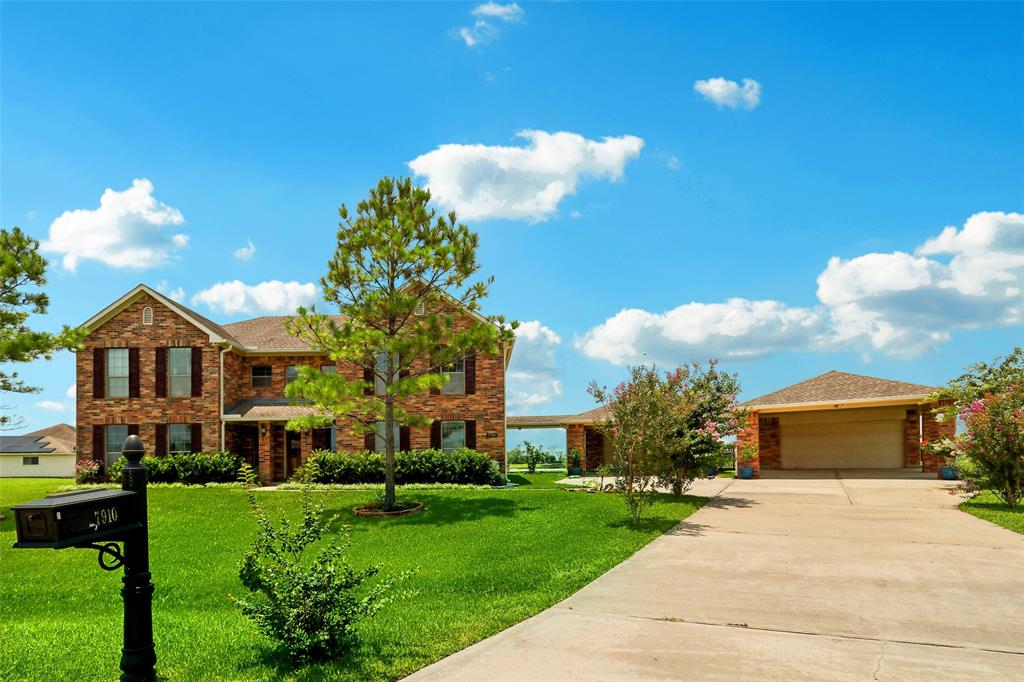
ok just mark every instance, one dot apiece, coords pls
pixel 815 576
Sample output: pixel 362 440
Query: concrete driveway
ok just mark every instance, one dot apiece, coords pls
pixel 802 576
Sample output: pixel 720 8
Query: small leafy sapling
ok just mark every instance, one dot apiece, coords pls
pixel 309 604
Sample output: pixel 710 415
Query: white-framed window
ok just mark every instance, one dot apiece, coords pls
pixel 117 372
pixel 328 369
pixel 116 433
pixel 179 438
pixel 456 372
pixel 291 373
pixel 147 315
pixel 453 435
pixel 379 442
pixel 30 461
pixel 421 309
pixel 381 366
pixel 179 372
pixel 262 376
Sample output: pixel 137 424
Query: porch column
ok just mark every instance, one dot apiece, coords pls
pixel 932 430
pixel 305 445
pixel 751 433
pixel 574 439
pixel 266 452
pixel 912 439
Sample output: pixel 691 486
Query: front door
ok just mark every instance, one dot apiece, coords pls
pixel 293 452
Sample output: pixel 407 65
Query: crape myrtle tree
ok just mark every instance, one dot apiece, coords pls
pixel 989 400
pixel 707 413
pixel 400 279
pixel 22 275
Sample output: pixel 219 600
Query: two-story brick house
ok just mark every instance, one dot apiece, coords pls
pixel 153 367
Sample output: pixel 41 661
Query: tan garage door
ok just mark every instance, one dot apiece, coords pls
pixel 842 439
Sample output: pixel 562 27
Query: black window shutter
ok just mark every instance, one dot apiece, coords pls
pixel 133 373
pixel 435 434
pixel 370 441
pixel 435 369
pixel 197 375
pixel 99 443
pixel 471 434
pixel 99 372
pixel 161 439
pixel 470 367
pixel 369 377
pixel 404 439
pixel 197 433
pixel 133 429
pixel 160 362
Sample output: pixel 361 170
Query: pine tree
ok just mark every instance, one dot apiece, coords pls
pixel 400 280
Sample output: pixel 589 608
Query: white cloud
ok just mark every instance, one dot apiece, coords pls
pixel 521 183
pixel 245 253
pixel 672 162
pixel 483 29
pixel 727 93
pixel 737 329
pixel 273 297
pixel 71 392
pixel 50 405
pixel 533 374
pixel 902 304
pixel 177 294
pixel 897 303
pixel 128 230
pixel 575 215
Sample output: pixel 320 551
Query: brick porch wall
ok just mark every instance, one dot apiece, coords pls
pixel 769 443
pixel 750 434
pixel 912 439
pixel 933 430
pixel 575 438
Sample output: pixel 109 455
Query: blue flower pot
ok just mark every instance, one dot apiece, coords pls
pixel 947 473
pixel 746 472
pixel 712 472
pixel 575 471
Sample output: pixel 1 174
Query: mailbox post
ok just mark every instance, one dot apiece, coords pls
pixel 99 519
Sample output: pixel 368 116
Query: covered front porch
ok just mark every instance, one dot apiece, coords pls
pixel 583 432
pixel 255 430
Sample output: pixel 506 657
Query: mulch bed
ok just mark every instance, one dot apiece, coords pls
pixel 401 509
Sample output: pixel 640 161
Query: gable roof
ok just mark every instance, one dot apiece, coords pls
pixel 841 387
pixel 65 432
pixel 269 333
pixel 597 415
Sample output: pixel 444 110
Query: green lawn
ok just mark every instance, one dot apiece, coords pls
pixel 486 559
pixel 988 507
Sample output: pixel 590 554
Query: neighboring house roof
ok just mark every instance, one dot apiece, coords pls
pixel 841 387
pixel 594 416
pixel 35 445
pixel 269 409
pixel 64 432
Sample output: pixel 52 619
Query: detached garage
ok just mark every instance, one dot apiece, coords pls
pixel 840 420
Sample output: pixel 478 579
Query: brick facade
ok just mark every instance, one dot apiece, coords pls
pixel 267 439
pixel 769 443
pixel 751 433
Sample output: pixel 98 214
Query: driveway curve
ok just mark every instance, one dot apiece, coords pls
pixel 822 575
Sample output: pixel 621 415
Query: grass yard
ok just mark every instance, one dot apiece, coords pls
pixel 988 507
pixel 486 559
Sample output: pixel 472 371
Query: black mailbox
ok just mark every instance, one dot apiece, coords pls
pixel 75 518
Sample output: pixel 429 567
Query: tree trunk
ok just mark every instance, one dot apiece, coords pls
pixel 389 456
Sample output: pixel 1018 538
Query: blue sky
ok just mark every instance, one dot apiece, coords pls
pixel 712 159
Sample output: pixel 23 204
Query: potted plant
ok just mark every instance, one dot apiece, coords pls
pixel 946 449
pixel 574 462
pixel 745 457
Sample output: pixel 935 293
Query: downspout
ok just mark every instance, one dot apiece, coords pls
pixel 222 352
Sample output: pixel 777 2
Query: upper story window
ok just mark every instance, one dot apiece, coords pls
pixel 291 373
pixel 179 372
pixel 328 369
pixel 262 376
pixel 453 435
pixel 147 315
pixel 179 438
pixel 117 373
pixel 456 372
pixel 380 443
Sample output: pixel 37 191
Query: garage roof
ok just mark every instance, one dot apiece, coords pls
pixel 842 387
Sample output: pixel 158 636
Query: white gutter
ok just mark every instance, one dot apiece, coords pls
pixel 840 404
pixel 222 352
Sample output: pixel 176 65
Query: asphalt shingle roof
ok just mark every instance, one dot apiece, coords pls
pixel 269 409
pixel 267 333
pixel 838 386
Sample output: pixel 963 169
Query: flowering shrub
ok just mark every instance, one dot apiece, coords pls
pixel 87 471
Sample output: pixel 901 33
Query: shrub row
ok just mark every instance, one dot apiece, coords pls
pixel 418 466
pixel 192 469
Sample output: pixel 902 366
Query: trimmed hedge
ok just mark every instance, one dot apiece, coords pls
pixel 463 466
pixel 191 469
